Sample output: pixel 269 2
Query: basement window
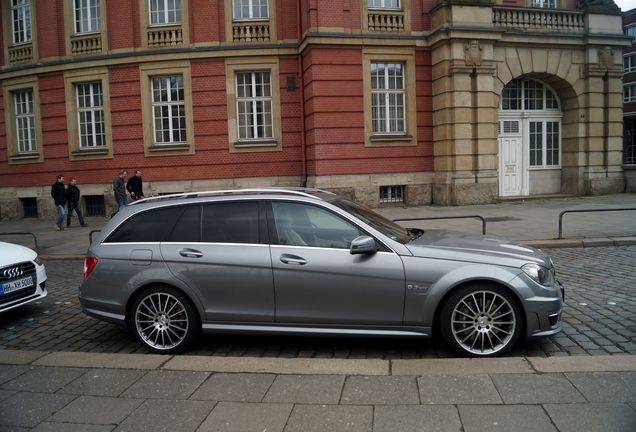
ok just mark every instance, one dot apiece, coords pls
pixel 95 205
pixel 29 207
pixel 391 194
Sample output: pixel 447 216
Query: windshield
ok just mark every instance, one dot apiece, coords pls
pixel 376 221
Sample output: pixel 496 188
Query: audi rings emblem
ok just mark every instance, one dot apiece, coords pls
pixel 12 272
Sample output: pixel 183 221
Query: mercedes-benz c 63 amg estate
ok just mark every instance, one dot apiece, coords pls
pixel 306 261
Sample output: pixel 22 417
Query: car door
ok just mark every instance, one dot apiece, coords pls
pixel 219 250
pixel 318 281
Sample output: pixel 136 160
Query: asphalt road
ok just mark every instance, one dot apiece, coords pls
pixel 599 318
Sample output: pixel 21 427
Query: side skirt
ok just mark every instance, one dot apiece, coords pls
pixel 260 328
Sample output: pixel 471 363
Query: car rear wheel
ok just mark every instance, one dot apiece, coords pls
pixel 164 320
pixel 481 321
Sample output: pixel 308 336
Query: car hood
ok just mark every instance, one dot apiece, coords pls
pixel 472 248
pixel 12 253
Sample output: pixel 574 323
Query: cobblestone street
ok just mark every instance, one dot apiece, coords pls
pixel 599 318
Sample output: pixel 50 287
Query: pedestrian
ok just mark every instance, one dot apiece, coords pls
pixel 119 188
pixel 135 186
pixel 58 192
pixel 72 198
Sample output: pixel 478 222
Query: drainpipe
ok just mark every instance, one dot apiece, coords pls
pixel 301 85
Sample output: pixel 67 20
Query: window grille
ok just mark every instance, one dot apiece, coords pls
pixel 29 207
pixel 391 194
pixel 95 205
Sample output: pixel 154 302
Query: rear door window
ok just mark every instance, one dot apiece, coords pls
pixel 147 227
pixel 188 229
pixel 235 222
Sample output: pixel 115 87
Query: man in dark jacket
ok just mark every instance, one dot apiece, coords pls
pixel 58 192
pixel 72 196
pixel 135 186
pixel 119 188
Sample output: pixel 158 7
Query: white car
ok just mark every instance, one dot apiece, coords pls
pixel 22 276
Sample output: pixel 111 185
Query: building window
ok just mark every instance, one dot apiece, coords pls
pixel 544 144
pixel 631 31
pixel 86 16
pixel 168 107
pixel 391 194
pixel 95 205
pixel 545 4
pixel 254 105
pixel 629 93
pixel 21 20
pixel 251 9
pixel 629 63
pixel 25 121
pixel 629 141
pixel 529 95
pixel 384 4
pixel 165 12
pixel 387 98
pixel 90 115
pixel 29 207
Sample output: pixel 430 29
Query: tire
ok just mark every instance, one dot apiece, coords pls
pixel 164 320
pixel 481 321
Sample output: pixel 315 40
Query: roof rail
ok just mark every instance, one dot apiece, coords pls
pixel 306 192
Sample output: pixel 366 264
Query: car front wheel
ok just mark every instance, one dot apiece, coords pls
pixel 481 321
pixel 164 320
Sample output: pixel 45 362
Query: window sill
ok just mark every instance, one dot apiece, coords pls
pixel 265 145
pixel 25 158
pixel 90 151
pixel 168 147
pixel 544 168
pixel 257 143
pixel 391 140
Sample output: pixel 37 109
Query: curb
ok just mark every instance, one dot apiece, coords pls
pixel 321 366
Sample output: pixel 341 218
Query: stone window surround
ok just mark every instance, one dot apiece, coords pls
pixel 71 78
pixel 8 29
pixel 69 27
pixel 146 27
pixel 146 72
pixel 9 86
pixel 229 20
pixel 251 64
pixel 390 55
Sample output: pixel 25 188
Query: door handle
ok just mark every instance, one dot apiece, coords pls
pixel 292 259
pixel 190 253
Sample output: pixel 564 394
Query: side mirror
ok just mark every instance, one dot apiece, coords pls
pixel 363 245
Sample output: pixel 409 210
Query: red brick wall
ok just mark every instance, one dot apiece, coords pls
pixel 123 24
pixel 206 17
pixel 335 118
pixel 50 28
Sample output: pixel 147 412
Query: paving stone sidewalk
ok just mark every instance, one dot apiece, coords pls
pixel 53 392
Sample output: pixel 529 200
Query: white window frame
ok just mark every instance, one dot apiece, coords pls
pixel 382 5
pixel 163 12
pixel 544 143
pixel 385 101
pixel 169 103
pixel 91 111
pixel 629 63
pixel 251 16
pixel 631 31
pixel 629 93
pixel 522 98
pixel 91 6
pixel 544 4
pixel 23 9
pixel 252 101
pixel 25 136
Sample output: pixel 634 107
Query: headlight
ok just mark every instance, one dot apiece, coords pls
pixel 37 260
pixel 539 274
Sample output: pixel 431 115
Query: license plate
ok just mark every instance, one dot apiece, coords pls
pixel 19 284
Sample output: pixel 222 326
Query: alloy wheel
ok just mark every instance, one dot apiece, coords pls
pixel 162 321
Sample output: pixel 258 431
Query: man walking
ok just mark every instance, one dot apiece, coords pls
pixel 119 189
pixel 135 186
pixel 72 197
pixel 58 192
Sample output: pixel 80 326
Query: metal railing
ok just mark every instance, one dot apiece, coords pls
pixel 481 218
pixel 35 238
pixel 587 211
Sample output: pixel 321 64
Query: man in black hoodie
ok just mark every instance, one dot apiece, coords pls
pixel 135 186
pixel 58 192
pixel 72 196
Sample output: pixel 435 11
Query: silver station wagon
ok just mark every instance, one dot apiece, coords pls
pixel 306 261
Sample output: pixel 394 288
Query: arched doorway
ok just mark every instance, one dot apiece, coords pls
pixel 530 139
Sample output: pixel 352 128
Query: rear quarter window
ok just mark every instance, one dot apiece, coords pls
pixel 149 226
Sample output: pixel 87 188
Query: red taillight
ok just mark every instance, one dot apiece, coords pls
pixel 89 264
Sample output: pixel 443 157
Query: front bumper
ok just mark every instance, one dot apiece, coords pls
pixel 544 314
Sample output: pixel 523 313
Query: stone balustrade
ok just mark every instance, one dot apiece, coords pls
pixel 164 36
pixel 540 20
pixel 20 54
pixel 86 44
pixel 250 32
pixel 386 21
